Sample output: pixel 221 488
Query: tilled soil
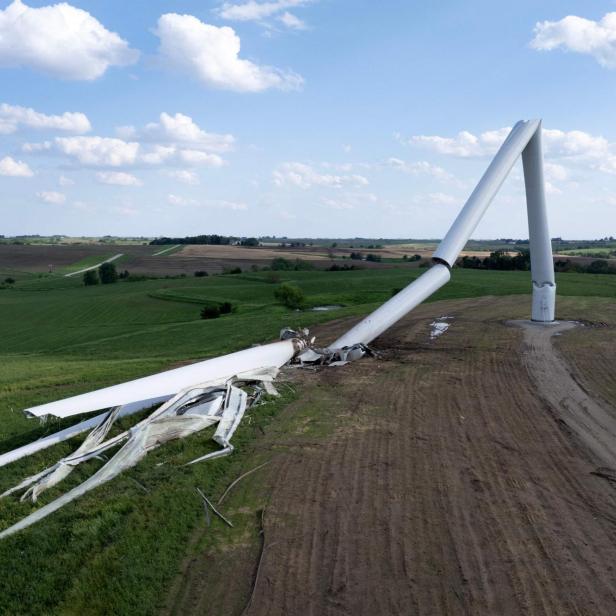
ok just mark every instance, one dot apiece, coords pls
pixel 452 483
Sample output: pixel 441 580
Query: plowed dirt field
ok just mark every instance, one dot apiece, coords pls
pixel 445 479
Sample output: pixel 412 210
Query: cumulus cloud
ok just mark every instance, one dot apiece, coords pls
pixel 574 143
pixel 186 176
pixel 158 154
pixel 64 181
pixel 556 142
pixel 421 167
pixel 50 196
pixel 555 172
pixel 464 144
pixel 304 176
pixel 118 178
pixel 263 12
pixel 291 21
pixel 182 129
pixel 12 117
pixel 211 55
pixel 60 40
pixel 197 157
pixel 580 35
pixel 15 168
pixel 99 151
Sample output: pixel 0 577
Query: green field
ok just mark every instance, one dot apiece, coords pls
pixel 115 550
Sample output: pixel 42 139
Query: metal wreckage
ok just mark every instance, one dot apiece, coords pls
pixel 220 390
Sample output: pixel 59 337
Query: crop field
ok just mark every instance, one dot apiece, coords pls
pixel 140 544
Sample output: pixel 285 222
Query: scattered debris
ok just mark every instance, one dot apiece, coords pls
pixel 439 327
pixel 334 357
pixel 209 504
pixel 190 411
pixel 224 495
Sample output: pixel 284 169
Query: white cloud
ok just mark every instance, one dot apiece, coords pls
pixel 50 196
pixel 574 143
pixel 580 35
pixel 15 168
pixel 158 154
pixel 555 172
pixel 177 200
pixel 102 151
pixel 185 176
pixel 291 21
pixel 257 11
pixel 211 55
pixel 197 157
pixel 421 167
pixel 12 117
pixel 60 40
pixel 464 144
pixel 32 148
pixel 118 178
pixel 182 129
pixel 304 176
pixel 64 181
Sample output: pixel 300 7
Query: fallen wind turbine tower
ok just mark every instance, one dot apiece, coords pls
pixel 218 391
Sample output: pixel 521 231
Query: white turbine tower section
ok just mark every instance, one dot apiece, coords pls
pixel 525 140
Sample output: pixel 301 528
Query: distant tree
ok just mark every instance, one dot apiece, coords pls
pixel 200 273
pixel 108 273
pixel 357 256
pixel 600 266
pixel 372 257
pixel 9 280
pixel 249 241
pixel 290 296
pixel 226 308
pixel 232 270
pixel 210 312
pixel 124 275
pixel 281 264
pixel 90 278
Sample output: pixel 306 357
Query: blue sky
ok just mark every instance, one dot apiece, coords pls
pixel 335 118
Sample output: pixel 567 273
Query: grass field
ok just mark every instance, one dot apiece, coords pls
pixel 116 550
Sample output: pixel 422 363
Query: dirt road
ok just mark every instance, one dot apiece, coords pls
pixel 592 420
pixel 447 485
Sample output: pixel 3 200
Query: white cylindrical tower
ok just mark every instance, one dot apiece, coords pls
pixel 540 245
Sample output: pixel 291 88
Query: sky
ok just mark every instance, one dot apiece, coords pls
pixel 300 118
